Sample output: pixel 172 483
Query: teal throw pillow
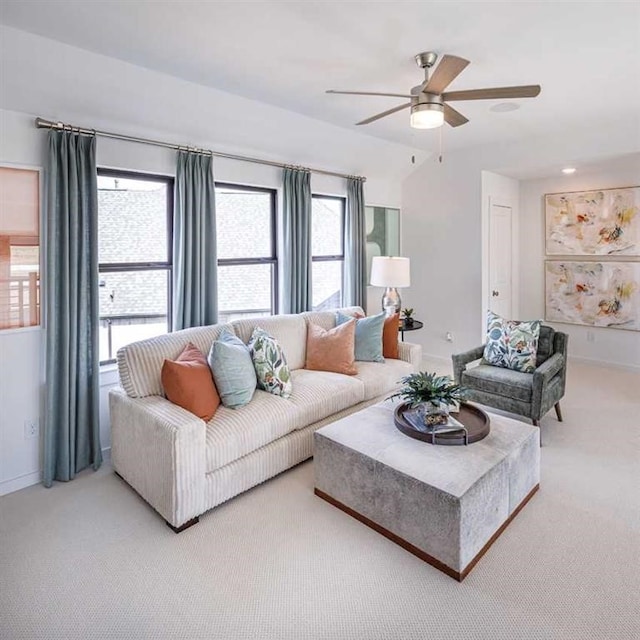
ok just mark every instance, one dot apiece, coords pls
pixel 368 336
pixel 270 364
pixel 232 369
pixel 512 344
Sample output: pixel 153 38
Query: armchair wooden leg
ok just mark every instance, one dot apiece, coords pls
pixel 558 411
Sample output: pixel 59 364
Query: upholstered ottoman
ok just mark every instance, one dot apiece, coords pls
pixel 445 504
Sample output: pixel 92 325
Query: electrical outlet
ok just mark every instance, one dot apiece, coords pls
pixel 591 337
pixel 31 429
pixel 449 336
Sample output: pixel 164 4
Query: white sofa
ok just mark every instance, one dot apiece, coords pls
pixel 183 466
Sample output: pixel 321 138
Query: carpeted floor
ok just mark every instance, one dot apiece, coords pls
pixel 89 559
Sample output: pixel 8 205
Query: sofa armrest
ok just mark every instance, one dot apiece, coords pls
pixel 411 353
pixel 159 449
pixel 547 370
pixel 461 360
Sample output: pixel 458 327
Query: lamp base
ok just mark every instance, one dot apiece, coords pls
pixel 391 302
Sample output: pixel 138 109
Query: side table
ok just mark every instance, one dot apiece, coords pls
pixel 414 326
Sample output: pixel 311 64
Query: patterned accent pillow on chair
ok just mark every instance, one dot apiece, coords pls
pixel 270 364
pixel 512 344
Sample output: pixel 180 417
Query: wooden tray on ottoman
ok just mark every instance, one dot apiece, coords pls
pixel 475 420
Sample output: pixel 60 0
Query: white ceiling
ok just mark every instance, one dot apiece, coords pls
pixel 586 56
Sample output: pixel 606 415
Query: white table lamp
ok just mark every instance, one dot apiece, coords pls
pixel 392 273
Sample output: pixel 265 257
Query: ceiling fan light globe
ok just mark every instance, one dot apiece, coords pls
pixel 427 116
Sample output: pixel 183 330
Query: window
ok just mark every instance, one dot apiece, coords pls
pixel 135 217
pixel 327 248
pixel 247 255
pixel 19 248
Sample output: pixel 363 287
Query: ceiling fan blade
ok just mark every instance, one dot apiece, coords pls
pixel 525 91
pixel 445 73
pixel 385 113
pixel 453 117
pixel 368 93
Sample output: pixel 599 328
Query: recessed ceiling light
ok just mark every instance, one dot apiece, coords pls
pixel 503 107
pixel 569 170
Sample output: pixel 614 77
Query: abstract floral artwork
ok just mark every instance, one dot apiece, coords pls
pixel 602 222
pixel 599 294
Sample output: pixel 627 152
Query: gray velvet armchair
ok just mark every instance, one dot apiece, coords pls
pixel 526 394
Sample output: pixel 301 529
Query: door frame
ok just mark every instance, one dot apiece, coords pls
pixel 504 201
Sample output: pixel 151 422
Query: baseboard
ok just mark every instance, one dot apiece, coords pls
pixel 29 479
pixel 428 357
pixel 635 368
pixel 19 482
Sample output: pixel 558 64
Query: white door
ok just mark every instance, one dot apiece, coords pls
pixel 500 252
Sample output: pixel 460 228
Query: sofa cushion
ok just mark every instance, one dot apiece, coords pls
pixel 327 319
pixel 333 349
pixel 140 363
pixel 499 381
pixel 368 347
pixel 390 335
pixel 379 378
pixel 289 330
pixel 234 433
pixel 188 383
pixel 318 394
pixel 233 370
pixel 270 364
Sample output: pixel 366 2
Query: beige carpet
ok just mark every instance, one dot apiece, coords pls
pixel 89 559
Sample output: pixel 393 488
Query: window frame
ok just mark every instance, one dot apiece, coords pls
pixel 336 257
pixel 273 259
pixel 119 267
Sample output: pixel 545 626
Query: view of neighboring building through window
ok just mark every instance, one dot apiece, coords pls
pixel 327 248
pixel 135 217
pixel 247 255
pixel 135 213
pixel 19 248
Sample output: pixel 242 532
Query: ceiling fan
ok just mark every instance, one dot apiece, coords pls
pixel 429 102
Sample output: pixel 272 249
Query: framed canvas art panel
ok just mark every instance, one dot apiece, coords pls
pixel 596 294
pixel 602 222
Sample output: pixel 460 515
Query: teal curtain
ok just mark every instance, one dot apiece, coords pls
pixel 297 241
pixel 355 246
pixel 195 256
pixel 71 426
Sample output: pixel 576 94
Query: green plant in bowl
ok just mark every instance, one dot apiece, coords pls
pixel 433 393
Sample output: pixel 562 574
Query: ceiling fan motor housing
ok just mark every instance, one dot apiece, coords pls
pixel 426 59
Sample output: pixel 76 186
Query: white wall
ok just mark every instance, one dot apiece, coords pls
pixel 46 78
pixel 441 233
pixel 614 346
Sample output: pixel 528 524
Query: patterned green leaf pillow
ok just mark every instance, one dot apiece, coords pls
pixel 512 344
pixel 270 364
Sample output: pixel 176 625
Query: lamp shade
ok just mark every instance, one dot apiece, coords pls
pixel 390 272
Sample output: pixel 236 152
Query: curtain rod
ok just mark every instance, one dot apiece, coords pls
pixel 41 123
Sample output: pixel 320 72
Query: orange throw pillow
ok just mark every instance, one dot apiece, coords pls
pixel 390 337
pixel 188 382
pixel 332 350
